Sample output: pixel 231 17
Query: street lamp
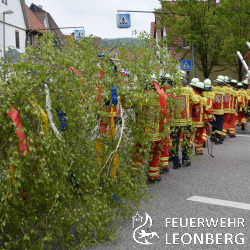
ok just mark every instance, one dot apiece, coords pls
pixel 7 12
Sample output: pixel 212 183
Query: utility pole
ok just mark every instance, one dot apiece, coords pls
pixel 193 55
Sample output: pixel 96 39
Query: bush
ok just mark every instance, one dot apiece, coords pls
pixel 59 192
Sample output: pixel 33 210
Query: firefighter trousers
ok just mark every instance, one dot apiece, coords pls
pixel 164 155
pixel 242 118
pixel 198 140
pixel 226 119
pixel 232 124
pixel 153 169
pixel 217 128
pixel 204 135
pixel 186 144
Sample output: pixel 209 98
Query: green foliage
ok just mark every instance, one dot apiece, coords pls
pixel 237 28
pixel 197 22
pixel 55 212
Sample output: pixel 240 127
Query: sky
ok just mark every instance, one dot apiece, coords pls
pixel 98 17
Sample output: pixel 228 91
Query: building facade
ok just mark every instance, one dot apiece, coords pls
pixel 16 25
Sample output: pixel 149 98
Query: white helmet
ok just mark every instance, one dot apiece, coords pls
pixel 208 84
pixel 200 85
pixel 240 84
pixel 246 82
pixel 220 79
pixel 194 81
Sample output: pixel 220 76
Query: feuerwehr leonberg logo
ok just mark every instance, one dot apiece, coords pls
pixel 142 234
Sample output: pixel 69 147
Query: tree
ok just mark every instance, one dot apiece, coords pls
pixel 237 28
pixel 55 186
pixel 197 22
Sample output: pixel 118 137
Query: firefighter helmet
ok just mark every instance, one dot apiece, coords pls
pixel 239 84
pixel 194 81
pixel 199 87
pixel 208 84
pixel 227 79
pixel 233 82
pixel 246 82
pixel 183 76
pixel 220 79
pixel 168 77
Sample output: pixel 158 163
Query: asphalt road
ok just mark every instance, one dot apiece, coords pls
pixel 225 177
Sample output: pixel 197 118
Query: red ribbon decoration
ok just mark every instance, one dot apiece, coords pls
pixel 23 144
pixel 99 88
pixel 76 72
pixel 79 75
pixel 162 100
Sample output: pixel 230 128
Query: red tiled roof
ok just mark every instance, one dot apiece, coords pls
pixel 52 24
pixel 33 21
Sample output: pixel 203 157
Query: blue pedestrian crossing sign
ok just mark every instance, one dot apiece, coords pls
pixel 79 34
pixel 186 65
pixel 123 20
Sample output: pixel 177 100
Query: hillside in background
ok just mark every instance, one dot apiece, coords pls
pixel 112 42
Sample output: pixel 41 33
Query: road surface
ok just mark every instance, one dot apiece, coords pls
pixel 212 188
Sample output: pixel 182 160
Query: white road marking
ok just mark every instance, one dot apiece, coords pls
pixel 219 202
pixel 243 135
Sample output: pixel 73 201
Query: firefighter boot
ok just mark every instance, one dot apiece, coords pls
pixel 155 180
pixel 212 138
pixel 242 126
pixel 177 165
pixel 186 163
pixel 164 170
pixel 218 139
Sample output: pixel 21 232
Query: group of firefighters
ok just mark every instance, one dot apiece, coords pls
pixel 206 109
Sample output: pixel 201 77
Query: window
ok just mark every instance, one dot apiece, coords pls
pixel 6 2
pixel 29 40
pixel 17 40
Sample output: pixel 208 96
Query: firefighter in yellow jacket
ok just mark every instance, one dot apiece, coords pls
pixel 156 133
pixel 234 108
pixel 244 102
pixel 183 123
pixel 226 106
pixel 218 110
pixel 210 100
pixel 199 119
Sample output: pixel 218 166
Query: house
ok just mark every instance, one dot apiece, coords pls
pixel 180 43
pixel 46 19
pixel 16 25
pixel 35 24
